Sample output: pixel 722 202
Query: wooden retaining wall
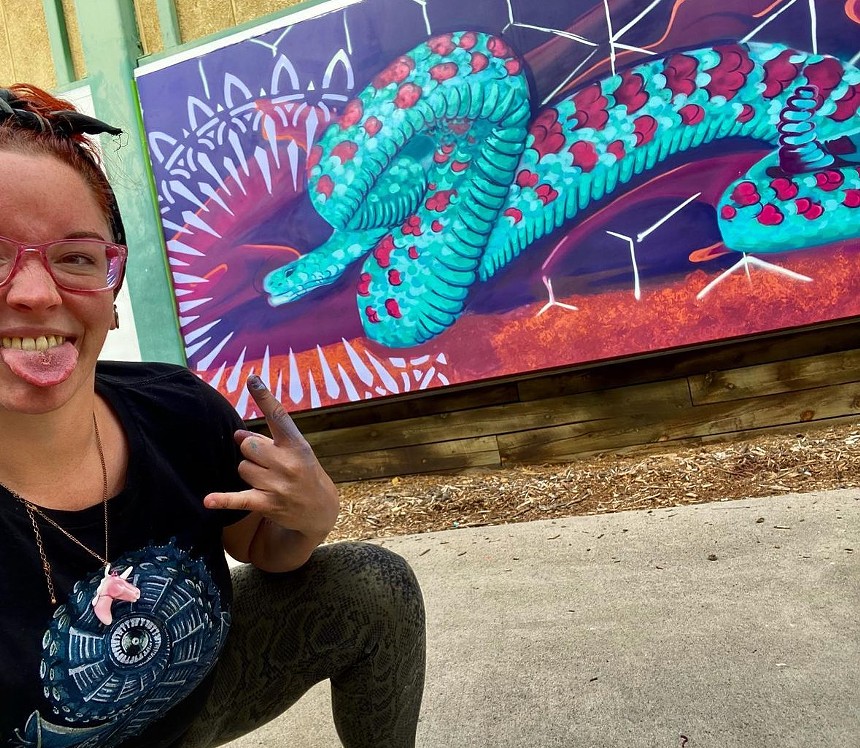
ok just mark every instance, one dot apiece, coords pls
pixel 784 382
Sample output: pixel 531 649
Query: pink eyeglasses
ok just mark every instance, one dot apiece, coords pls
pixel 85 265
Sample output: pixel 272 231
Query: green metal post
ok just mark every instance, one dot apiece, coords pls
pixel 111 44
pixel 58 37
pixel 169 23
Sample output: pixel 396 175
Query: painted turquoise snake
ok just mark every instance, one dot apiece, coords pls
pixel 436 175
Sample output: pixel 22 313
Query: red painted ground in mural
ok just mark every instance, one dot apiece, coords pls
pixel 615 324
pixel 605 326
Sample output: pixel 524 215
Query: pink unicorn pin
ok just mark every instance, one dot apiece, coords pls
pixel 113 586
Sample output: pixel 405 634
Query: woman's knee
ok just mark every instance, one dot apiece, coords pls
pixel 366 579
pixel 373 573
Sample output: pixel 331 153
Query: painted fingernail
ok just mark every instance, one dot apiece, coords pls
pixel 255 383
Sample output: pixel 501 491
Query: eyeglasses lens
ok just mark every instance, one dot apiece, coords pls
pixel 77 264
pixel 8 253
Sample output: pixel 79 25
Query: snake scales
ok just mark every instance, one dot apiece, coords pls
pixel 437 175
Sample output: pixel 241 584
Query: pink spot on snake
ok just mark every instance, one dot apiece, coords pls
pixel 816 211
pixel 803 204
pixel 498 48
pixel 435 227
pixel 363 286
pixel 644 128
pixel 730 74
pixel 852 199
pixel 616 148
pixel 515 214
pixel 746 194
pixel 784 188
pixel 779 73
pixel 808 209
pixel 371 314
pixel 479 62
pixel 412 226
pixel 590 108
pixel 345 151
pixel 584 155
pixel 458 166
pixel 547 133
pixel 372 126
pixel 747 113
pixel 829 180
pixel 314 157
pixel 848 105
pixel 393 308
pixel 631 92
pixel 394 277
pixel 441 45
pixel 692 114
pixel 468 40
pixel 325 186
pixel 527 178
pixel 825 76
pixel 413 252
pixel 407 96
pixel 513 66
pixel 397 72
pixel 443 71
pixel 461 127
pixel 440 201
pixel 728 212
pixel 382 251
pixel 352 114
pixel 545 193
pixel 680 72
pixel 769 215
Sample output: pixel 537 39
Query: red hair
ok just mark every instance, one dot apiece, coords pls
pixel 76 151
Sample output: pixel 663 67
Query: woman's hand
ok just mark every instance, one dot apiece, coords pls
pixel 293 502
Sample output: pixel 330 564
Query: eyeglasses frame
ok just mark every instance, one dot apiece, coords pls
pixel 41 250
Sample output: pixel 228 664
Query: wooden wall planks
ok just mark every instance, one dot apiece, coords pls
pixel 729 418
pixel 654 397
pixel 443 456
pixel 786 381
pixel 781 376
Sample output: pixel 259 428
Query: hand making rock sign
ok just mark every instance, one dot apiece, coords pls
pixel 292 500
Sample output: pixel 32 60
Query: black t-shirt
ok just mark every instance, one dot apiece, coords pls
pixel 66 679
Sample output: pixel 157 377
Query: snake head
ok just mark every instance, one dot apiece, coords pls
pixel 319 267
pixel 290 282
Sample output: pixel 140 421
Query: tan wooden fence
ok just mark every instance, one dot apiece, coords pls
pixel 794 381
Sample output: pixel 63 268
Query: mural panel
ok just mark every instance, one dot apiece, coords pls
pixel 395 195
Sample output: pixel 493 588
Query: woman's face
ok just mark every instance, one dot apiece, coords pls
pixel 42 199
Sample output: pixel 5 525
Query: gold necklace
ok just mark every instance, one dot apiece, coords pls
pixel 33 510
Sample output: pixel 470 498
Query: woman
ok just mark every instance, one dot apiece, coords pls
pixel 121 486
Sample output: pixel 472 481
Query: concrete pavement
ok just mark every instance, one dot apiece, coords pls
pixel 726 625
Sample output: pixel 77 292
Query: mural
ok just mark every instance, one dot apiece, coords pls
pixel 396 195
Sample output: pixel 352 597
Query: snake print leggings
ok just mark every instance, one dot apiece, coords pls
pixel 353 613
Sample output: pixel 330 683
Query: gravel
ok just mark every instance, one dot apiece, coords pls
pixel 764 465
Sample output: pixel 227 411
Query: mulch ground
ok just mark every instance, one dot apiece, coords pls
pixel 764 465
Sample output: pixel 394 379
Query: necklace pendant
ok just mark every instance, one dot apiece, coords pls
pixel 114 586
